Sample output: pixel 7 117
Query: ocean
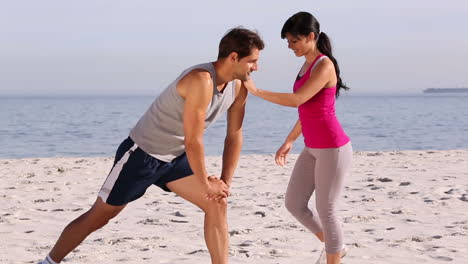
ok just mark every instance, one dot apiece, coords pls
pixel 88 126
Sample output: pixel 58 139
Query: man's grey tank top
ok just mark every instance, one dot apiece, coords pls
pixel 160 131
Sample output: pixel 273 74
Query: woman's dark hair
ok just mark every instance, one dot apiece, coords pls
pixel 302 24
pixel 241 41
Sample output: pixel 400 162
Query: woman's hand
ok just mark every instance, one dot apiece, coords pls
pixel 280 157
pixel 250 85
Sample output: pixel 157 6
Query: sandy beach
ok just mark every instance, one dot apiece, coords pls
pixel 397 207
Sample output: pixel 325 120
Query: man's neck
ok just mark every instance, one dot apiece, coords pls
pixel 223 74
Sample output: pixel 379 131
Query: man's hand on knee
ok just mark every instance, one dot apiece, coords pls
pixel 217 189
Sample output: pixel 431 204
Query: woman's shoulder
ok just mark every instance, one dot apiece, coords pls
pixel 325 60
pixel 325 64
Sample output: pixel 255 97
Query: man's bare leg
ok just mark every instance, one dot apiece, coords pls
pixel 75 232
pixel 216 229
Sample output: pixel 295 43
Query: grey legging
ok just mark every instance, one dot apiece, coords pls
pixel 322 170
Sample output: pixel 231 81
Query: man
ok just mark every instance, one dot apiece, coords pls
pixel 166 148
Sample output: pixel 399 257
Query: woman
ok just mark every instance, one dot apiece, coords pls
pixel 326 158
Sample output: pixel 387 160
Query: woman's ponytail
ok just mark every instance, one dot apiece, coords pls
pixel 324 46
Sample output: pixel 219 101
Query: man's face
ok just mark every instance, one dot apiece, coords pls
pixel 246 65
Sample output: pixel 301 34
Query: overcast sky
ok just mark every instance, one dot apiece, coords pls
pixel 137 47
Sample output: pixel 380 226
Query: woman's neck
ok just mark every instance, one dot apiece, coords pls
pixel 312 55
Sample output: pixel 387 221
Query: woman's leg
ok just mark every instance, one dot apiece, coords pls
pixel 332 166
pixel 300 188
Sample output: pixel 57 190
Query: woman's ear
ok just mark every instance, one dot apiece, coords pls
pixel 311 36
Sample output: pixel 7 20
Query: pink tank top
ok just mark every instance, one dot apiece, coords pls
pixel 320 127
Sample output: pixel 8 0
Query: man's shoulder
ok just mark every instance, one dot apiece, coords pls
pixel 201 76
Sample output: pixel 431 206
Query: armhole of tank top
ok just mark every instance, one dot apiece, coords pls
pixel 234 88
pixel 317 62
pixel 212 74
pixel 189 70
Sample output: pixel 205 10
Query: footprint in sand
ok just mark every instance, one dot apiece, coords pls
pixel 368 200
pixel 276 253
pixel 153 203
pixel 43 200
pixel 464 198
pixel 246 243
pixel 442 258
pixel 178 214
pixel 239 232
pixel 262 214
pixel 245 252
pixel 384 180
pixel 151 221
pixel 118 240
pixel 417 239
pixel 179 221
pixel 197 251
pixel 359 218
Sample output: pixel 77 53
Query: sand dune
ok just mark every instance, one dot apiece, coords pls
pixel 397 207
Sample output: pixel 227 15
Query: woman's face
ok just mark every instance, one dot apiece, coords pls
pixel 301 45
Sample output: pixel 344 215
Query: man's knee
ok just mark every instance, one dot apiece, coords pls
pixel 215 206
pixel 99 216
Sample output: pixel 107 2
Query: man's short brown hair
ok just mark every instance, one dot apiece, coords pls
pixel 241 41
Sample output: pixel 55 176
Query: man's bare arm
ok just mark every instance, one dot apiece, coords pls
pixel 197 90
pixel 233 141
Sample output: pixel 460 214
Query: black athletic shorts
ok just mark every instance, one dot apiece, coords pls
pixel 134 171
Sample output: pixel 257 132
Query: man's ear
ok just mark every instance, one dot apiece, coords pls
pixel 233 57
